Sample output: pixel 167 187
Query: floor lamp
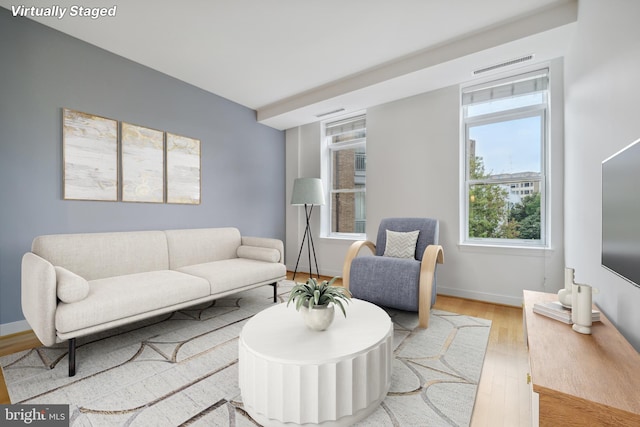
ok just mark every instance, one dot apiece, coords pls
pixel 307 192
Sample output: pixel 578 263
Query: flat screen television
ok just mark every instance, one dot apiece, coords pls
pixel 621 213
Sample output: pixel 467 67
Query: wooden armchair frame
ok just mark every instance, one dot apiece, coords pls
pixel 432 254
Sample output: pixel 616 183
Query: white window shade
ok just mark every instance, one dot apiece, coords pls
pixel 347 125
pixel 529 84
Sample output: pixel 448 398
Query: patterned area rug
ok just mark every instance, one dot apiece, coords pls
pixel 182 369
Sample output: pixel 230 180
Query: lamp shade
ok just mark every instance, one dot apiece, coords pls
pixel 307 191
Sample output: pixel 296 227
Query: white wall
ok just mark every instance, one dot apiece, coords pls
pixel 303 161
pixel 413 170
pixel 602 90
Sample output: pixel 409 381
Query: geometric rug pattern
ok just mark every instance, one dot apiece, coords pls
pixel 181 369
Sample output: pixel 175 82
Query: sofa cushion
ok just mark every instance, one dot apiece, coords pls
pixel 236 273
pixel 259 254
pixel 99 255
pixel 197 246
pixel 69 286
pixel 123 296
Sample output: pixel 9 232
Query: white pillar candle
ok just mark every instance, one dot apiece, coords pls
pixel 581 308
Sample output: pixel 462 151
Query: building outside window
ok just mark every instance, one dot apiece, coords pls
pixel 345 177
pixel 505 134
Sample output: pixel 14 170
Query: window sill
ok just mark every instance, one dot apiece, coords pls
pixel 344 237
pixel 514 250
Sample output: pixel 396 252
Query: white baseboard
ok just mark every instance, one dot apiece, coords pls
pixel 454 292
pixel 481 296
pixel 323 272
pixel 14 327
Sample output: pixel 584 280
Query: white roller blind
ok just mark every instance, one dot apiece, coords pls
pixel 346 125
pixel 528 84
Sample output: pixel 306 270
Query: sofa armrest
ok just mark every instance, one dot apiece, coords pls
pixel 352 252
pixel 432 254
pixel 39 300
pixel 265 242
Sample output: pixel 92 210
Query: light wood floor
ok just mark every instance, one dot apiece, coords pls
pixel 503 393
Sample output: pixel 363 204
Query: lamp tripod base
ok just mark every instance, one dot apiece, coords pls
pixel 310 246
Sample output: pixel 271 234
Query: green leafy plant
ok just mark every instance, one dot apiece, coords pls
pixel 312 294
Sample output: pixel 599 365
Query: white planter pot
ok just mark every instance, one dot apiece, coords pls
pixel 318 318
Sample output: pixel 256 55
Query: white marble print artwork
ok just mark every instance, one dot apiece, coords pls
pixel 183 169
pixel 90 146
pixel 142 164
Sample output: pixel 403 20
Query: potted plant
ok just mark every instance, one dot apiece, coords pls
pixel 316 302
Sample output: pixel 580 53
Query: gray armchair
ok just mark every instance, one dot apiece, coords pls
pixel 402 283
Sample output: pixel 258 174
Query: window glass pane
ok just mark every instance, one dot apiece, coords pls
pixel 505 104
pixel 504 211
pixel 506 147
pixel 348 212
pixel 349 168
pixel 348 136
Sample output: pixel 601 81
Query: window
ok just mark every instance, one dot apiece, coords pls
pixel 346 173
pixel 505 133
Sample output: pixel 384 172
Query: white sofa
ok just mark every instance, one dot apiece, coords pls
pixel 78 284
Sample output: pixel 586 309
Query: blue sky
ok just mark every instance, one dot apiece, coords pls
pixel 509 147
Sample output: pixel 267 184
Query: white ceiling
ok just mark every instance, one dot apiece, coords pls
pixel 291 60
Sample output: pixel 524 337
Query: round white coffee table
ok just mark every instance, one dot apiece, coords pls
pixel 290 374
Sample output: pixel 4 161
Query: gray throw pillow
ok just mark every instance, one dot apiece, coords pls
pixel 401 245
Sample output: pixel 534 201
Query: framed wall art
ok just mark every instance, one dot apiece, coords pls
pixel 142 151
pixel 90 156
pixel 183 169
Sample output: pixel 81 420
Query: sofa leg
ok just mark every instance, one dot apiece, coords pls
pixel 275 291
pixel 72 357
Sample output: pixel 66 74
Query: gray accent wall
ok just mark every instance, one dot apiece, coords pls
pixel 42 71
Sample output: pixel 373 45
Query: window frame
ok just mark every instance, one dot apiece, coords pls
pixel 538 110
pixel 328 149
